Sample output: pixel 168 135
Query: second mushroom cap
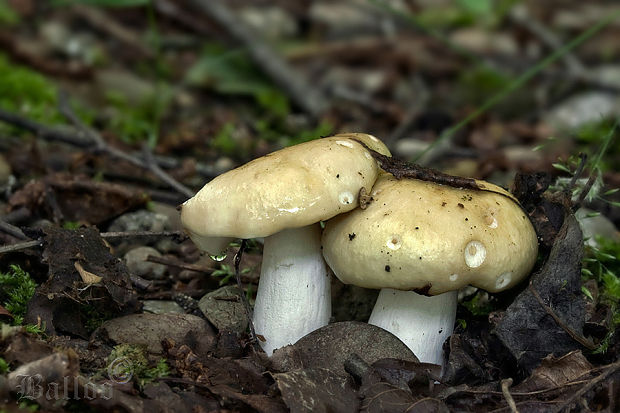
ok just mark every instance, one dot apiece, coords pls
pixel 418 235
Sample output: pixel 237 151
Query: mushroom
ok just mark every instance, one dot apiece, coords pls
pixel 419 242
pixel 283 196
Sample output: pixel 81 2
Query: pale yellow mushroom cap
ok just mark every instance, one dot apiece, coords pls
pixel 290 188
pixel 418 235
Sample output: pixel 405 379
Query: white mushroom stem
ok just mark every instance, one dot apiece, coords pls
pixel 293 297
pixel 422 323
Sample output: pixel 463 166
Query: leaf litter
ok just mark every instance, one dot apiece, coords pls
pixel 533 353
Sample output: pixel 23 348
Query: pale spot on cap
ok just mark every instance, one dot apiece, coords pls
pixel 345 143
pixel 373 138
pixel 394 242
pixel 490 219
pixel 475 253
pixel 367 155
pixel 346 198
pixel 503 280
pixel 454 277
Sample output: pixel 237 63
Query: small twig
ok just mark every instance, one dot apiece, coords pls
pixel 20 246
pixel 176 264
pixel 44 132
pixel 234 298
pixel 298 89
pixel 77 140
pixel 244 299
pixel 523 18
pixel 582 164
pixel 12 230
pixel 506 383
pixel 612 368
pixel 572 333
pixel 102 146
pixel 584 192
pixel 140 283
pixel 180 236
pixel 102 21
pixel 157 171
pixel 18 215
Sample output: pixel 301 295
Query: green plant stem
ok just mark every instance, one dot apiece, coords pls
pixel 522 80
pixel 606 142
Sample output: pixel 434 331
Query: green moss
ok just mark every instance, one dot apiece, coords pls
pixel 27 92
pixel 16 289
pixel 136 364
pixel 139 122
pixel 8 16
pixel 4 366
pixel 479 304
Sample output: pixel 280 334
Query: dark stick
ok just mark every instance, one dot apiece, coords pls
pixel 20 246
pixel 573 334
pixel 181 265
pixel 582 164
pixel 298 89
pixel 244 299
pixel 612 368
pixel 12 230
pixel 403 169
pixel 180 236
pixel 157 171
pixel 584 192
pixel 100 145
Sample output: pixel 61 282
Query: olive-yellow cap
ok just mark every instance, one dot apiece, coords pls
pixel 418 235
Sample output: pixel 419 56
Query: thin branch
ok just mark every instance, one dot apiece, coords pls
pixel 582 164
pixel 180 265
pixel 579 393
pixel 180 236
pixel 521 16
pixel 103 22
pixel 298 89
pixel 572 333
pixel 585 191
pixel 77 139
pixel 12 230
pixel 44 132
pixel 161 174
pixel 20 246
pixel 506 392
pixel 100 145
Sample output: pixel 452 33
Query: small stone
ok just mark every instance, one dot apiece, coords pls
pixel 161 307
pixel 224 309
pixel 141 220
pixel 136 261
pixel 330 346
pixel 148 330
pixel 270 21
pixel 582 109
pixel 591 226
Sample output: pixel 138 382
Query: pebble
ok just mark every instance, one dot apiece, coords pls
pixel 136 262
pixel 224 314
pixel 161 307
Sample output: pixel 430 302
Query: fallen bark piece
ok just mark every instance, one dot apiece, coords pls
pixel 528 329
pixel 83 278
